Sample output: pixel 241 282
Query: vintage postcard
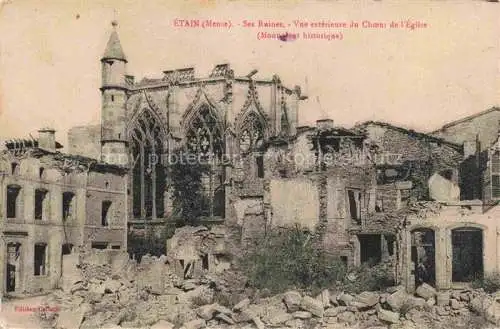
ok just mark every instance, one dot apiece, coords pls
pixel 249 164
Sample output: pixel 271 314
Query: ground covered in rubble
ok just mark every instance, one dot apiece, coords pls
pixel 148 295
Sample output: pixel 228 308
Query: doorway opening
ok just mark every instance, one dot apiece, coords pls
pixel 467 250
pixel 423 256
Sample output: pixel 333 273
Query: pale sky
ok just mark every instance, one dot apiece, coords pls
pixel 50 52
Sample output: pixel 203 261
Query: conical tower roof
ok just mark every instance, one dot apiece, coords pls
pixel 114 49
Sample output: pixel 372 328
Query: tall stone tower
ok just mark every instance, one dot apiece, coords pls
pixel 114 97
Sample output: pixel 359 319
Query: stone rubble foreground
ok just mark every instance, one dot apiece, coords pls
pixel 148 295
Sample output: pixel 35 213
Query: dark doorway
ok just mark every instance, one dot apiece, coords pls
pixel 467 246
pixel 204 259
pixel 105 213
pixel 66 249
pixel 371 251
pixel 40 259
pixel 11 278
pixel 423 250
pixel 13 259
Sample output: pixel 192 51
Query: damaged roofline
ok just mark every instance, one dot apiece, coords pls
pixel 77 161
pixel 422 135
pixel 467 118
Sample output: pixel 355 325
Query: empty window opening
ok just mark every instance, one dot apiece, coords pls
pixel 68 206
pixel 106 184
pixel 259 161
pixel 370 249
pixel 41 204
pixel 112 98
pixel 204 260
pixel 13 260
pixel 99 245
pixel 423 253
pixel 40 259
pixel 467 262
pixel 13 193
pixel 344 260
pixel 14 168
pixel 105 213
pixel 283 173
pixel 41 172
pixel 66 249
pixel 354 197
pixel 116 247
pixel 391 240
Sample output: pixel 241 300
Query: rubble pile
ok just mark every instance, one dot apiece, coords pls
pixel 191 241
pixel 105 290
pixel 100 301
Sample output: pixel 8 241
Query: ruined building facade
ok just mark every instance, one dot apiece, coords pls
pixel 379 193
pixel 51 204
pixel 218 118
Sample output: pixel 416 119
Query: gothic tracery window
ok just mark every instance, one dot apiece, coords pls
pixel 251 134
pixel 251 140
pixel 148 172
pixel 204 137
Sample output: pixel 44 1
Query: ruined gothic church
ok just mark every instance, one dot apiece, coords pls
pixel 221 116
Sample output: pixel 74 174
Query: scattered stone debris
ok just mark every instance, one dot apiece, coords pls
pixel 150 294
pixel 106 300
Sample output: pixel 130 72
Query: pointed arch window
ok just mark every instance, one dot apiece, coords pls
pixel 251 133
pixel 204 137
pixel 251 141
pixel 148 177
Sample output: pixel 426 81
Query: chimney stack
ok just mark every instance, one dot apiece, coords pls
pixel 47 139
pixel 324 124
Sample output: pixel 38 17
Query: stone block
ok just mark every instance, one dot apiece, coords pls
pixel 224 318
pixel 312 305
pixel 455 304
pixel 345 299
pixel 258 323
pixel 415 302
pixel 346 317
pixel 324 297
pixel 397 300
pixel 279 318
pixel 387 316
pixel 426 291
pixel 195 324
pixel 302 315
pixel 331 312
pixel 206 312
pixel 292 300
pixel 442 298
pixel 241 305
pixel 368 298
